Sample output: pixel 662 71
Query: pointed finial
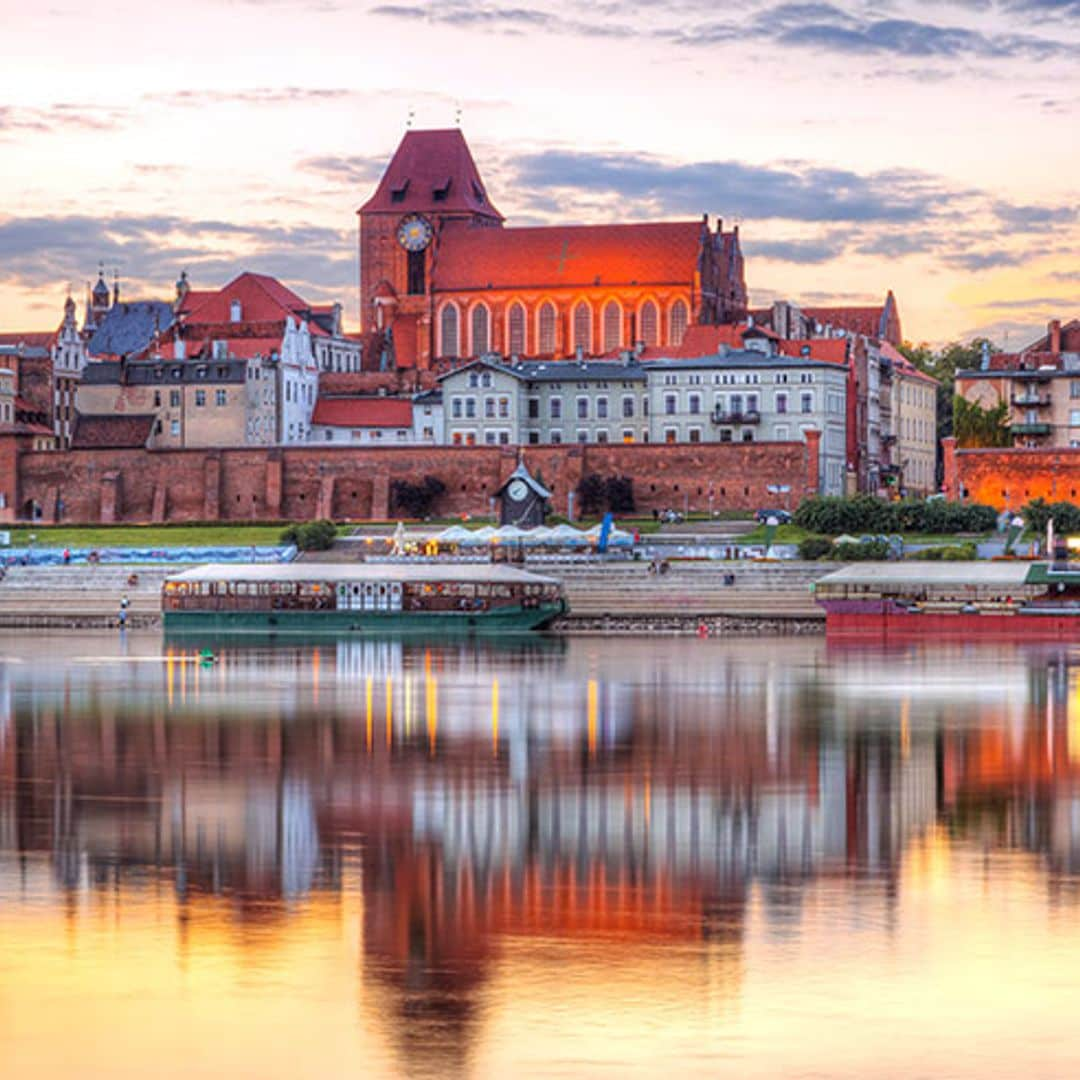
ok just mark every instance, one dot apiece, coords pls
pixel 411 117
pixel 457 117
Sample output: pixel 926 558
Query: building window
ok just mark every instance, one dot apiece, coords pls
pixel 504 408
pixel 515 325
pixel 534 437
pixel 328 435
pixel 612 326
pixel 556 438
pixel 174 399
pixel 415 274
pixel 534 408
pixel 474 379
pixel 781 403
pixel 157 399
pixel 174 427
pixel 489 408
pixel 485 379
pixel 481 340
pixel 695 405
pixel 545 344
pixel 807 403
pixel 449 331
pixel 670 403
pixel 748 435
pixel 556 408
pixel 582 408
pixel 628 435
pixel 220 397
pixel 504 438
pixel 583 327
pixel 670 435
pixel 694 434
pixel 489 438
pixel 725 434
pixel 601 436
pixel 455 408
pixel 751 403
pixel 648 331
pixel 627 407
pixel 1074 388
pixel 583 436
pixel 736 403
pixel 680 316
pixel 470 407
pixel 601 408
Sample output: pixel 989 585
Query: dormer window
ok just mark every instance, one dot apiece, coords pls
pixel 220 350
pixel 478 192
pixel 440 194
pixel 236 311
pixel 398 194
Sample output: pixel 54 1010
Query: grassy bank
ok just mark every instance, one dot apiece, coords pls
pixel 146 536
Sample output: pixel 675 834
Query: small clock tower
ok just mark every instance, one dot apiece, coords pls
pixel 522 500
pixel 431 181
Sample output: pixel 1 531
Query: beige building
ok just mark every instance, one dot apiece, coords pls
pixel 912 425
pixel 1040 385
pixel 230 402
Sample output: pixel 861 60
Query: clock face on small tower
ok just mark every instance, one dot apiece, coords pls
pixel 414 232
pixel 517 490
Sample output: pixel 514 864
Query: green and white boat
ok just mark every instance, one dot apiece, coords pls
pixel 306 598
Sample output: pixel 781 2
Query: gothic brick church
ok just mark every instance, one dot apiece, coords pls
pixel 444 278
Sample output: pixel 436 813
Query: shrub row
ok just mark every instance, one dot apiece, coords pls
pixel 1066 516
pixel 946 553
pixel 835 514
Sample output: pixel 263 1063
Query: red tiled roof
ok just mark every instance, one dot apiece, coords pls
pixel 262 299
pixel 856 320
pixel 474 257
pixel 363 412
pixel 426 162
pixel 1070 338
pixel 37 339
pixel 831 350
pixel 103 432
pixel 1024 361
pixel 902 364
pixel 194 298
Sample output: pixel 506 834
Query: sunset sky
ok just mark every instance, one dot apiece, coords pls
pixel 930 148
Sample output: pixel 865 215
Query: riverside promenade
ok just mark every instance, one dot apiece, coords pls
pixel 741 597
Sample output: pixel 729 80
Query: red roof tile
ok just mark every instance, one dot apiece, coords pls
pixel 902 364
pixel 262 299
pixel 363 412
pixel 831 350
pixel 856 320
pixel 474 257
pixel 103 432
pixel 427 162
pixel 37 339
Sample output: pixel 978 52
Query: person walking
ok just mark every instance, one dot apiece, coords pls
pixel 123 611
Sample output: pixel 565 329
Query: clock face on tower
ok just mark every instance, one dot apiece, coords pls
pixel 414 232
pixel 517 490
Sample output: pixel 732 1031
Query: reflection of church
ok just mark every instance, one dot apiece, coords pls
pixel 441 272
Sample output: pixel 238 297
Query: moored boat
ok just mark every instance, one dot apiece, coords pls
pixel 360 598
pixel 1015 600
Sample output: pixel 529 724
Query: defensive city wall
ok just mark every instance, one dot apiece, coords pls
pixel 1009 478
pixel 353 483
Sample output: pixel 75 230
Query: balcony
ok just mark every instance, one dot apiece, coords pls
pixel 1030 428
pixel 1030 397
pixel 748 417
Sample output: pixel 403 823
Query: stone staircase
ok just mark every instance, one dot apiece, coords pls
pixel 760 590
pixel 80 595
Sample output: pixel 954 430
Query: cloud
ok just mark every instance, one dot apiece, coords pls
pixel 1033 303
pixel 795 191
pixel 257 96
pixel 153 248
pixel 818 27
pixel 346 170
pixel 61 117
pixel 803 252
pixel 1034 218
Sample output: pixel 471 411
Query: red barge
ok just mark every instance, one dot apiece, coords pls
pixel 971 601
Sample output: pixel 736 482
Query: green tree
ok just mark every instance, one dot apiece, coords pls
pixel 976 427
pixel 943 364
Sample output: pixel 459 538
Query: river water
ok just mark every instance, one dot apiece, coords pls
pixel 595 857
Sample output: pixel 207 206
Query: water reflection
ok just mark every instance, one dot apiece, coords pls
pixel 639 820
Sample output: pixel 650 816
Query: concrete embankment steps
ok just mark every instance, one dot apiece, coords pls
pixel 80 595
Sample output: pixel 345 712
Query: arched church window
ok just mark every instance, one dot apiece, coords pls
pixel 449 331
pixel 481 338
pixel 583 327
pixel 680 316
pixel 546 329
pixel 612 326
pixel 649 331
pixel 516 327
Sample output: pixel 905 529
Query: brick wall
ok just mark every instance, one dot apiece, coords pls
pixel 355 482
pixel 1010 478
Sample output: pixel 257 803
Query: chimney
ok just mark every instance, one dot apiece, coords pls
pixel 579 354
pixel 639 347
pixel 1055 335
